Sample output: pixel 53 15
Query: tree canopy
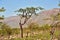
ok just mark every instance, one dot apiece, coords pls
pixel 2 9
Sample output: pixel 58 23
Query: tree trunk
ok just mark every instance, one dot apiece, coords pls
pixel 52 32
pixel 21 30
pixel 51 37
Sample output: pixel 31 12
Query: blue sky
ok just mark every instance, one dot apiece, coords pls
pixel 12 5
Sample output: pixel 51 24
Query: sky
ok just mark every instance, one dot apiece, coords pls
pixel 12 5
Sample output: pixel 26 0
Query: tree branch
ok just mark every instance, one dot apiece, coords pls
pixel 26 18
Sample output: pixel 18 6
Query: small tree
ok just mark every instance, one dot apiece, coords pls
pixel 6 30
pixel 59 5
pixel 2 10
pixel 26 14
pixel 55 21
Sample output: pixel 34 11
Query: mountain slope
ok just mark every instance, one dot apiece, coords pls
pixel 40 19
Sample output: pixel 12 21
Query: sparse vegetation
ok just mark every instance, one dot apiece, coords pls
pixel 50 30
pixel 34 32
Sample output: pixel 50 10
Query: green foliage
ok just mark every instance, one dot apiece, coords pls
pixel 45 27
pixel 33 26
pixel 26 13
pixel 44 36
pixel 1 18
pixel 15 30
pixel 15 39
pixel 59 3
pixel 58 16
pixel 6 30
pixel 29 10
pixel 57 33
pixel 2 9
pixel 0 31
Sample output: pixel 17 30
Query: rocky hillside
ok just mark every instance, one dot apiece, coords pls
pixel 42 18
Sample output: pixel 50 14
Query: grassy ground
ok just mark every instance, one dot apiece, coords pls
pixel 41 35
pixel 37 35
